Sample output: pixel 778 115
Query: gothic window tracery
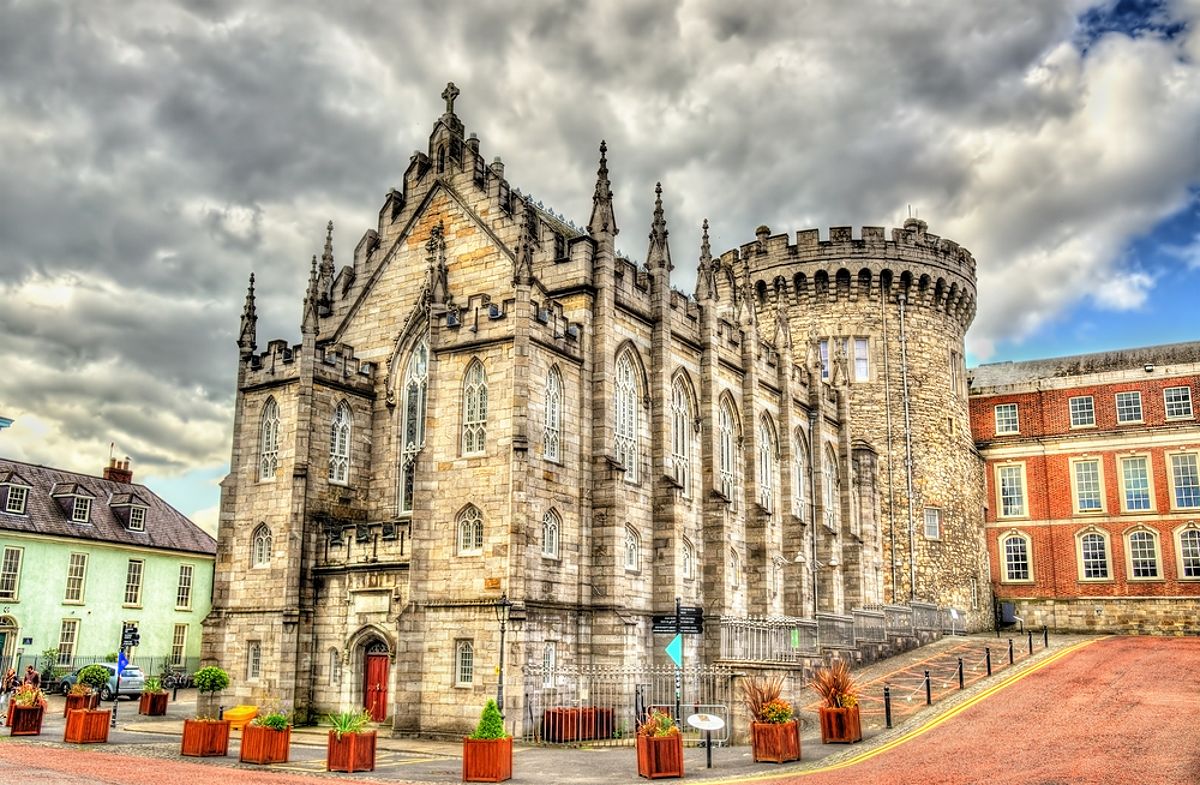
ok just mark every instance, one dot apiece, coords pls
pixel 269 441
pixel 625 440
pixel 681 436
pixel 339 445
pixel 766 463
pixel 833 491
pixel 799 478
pixel 552 425
pixel 551 530
pixel 727 452
pixel 470 531
pixel 633 550
pixel 412 429
pixel 260 548
pixel 475 403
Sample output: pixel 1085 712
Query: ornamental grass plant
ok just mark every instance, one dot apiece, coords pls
pixel 760 691
pixel 836 686
pixel 349 722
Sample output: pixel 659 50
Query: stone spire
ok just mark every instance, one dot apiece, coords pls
pixel 603 220
pixel 325 274
pixel 248 336
pixel 308 324
pixel 436 272
pixel 706 282
pixel 659 254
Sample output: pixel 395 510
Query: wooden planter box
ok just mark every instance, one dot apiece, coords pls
pixel 660 756
pixel 81 702
pixel 775 742
pixel 25 720
pixel 264 745
pixel 205 738
pixel 487 760
pixel 153 704
pixel 843 726
pixel 87 726
pixel 353 752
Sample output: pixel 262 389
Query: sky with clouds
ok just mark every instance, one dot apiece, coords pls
pixel 155 153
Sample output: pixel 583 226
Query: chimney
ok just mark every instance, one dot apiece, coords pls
pixel 118 471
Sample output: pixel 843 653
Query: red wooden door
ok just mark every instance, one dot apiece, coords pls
pixel 375 685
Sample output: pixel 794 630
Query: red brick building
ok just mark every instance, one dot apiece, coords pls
pixel 1093 487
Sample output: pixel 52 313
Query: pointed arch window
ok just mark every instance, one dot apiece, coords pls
pixel 470 531
pixel 726 452
pixel 552 427
pixel 475 403
pixel 339 445
pixel 633 550
pixel 681 434
pixel 799 476
pixel 416 385
pixel 625 439
pixel 551 530
pixel 268 454
pixel 260 546
pixel 735 568
pixel 766 464
pixel 833 491
pixel 689 560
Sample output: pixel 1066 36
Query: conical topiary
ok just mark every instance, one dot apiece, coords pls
pixel 491 724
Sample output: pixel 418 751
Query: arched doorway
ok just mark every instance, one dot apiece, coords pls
pixel 375 679
pixel 8 643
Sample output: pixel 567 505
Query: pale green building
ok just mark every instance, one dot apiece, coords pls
pixel 82 556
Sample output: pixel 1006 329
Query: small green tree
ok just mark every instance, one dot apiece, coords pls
pixel 94 676
pixel 491 724
pixel 211 679
pixel 51 658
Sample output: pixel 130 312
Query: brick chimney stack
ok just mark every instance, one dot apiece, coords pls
pixel 118 471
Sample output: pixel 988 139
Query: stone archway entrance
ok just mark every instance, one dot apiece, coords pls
pixel 375 679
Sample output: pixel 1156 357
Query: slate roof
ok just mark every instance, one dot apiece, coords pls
pixel 166 528
pixel 1006 373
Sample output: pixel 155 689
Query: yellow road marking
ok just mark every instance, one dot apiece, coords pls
pixel 918 731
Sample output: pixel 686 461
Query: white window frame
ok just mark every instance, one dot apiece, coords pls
pixel 1091 534
pixel 137 519
pixel 464 662
pixel 183 590
pixel 179 636
pixel 10 573
pixel 261 546
pixel 727 451
pixel 552 419
pixel 268 441
pixel 1183 404
pixel 340 428
pixel 862 360
pixel 68 639
pixel 625 430
pixel 474 409
pixel 414 398
pixel 549 663
pixel 632 552
pixel 1132 558
pixel 135 574
pixel 77 564
pixel 1003 473
pixel 933 532
pixel 1006 425
pixel 18 497
pixel 253 660
pixel 469 531
pixel 1125 408
pixel 823 353
pixel 1077 412
pixel 551 535
pixel 1077 493
pixel 1192 475
pixel 681 434
pixel 1124 485
pixel 1187 551
pixel 1006 564
pixel 81 509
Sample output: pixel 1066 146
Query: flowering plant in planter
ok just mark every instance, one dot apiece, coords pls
pixel 840 718
pixel 28 696
pixel 774 732
pixel 659 746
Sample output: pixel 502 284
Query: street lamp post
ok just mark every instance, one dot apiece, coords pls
pixel 502 610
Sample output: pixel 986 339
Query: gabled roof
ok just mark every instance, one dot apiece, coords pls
pixel 166 528
pixel 128 499
pixel 9 477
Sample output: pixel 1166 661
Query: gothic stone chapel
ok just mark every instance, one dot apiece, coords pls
pixel 490 402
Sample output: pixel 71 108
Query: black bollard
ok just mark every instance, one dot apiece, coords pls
pixel 1010 652
pixel 1045 637
pixel 960 673
pixel 175 692
pixel 1031 643
pixel 887 705
pixel 987 655
pixel 928 690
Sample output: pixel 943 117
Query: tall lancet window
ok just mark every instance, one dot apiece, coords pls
pixel 799 476
pixel 833 491
pixel 416 384
pixel 766 464
pixel 339 445
pixel 475 403
pixel 268 454
pixel 626 439
pixel 727 452
pixel 552 427
pixel 681 434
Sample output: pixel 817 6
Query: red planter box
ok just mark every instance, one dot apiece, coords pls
pixel 487 760
pixel 87 726
pixel 263 745
pixel 775 742
pixel 81 702
pixel 25 720
pixel 660 756
pixel 353 752
pixel 153 704
pixel 205 738
pixel 842 726
pixel 564 723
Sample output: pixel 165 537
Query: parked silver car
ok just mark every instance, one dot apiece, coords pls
pixel 132 681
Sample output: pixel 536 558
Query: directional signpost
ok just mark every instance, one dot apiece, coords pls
pixel 687 620
pixel 129 639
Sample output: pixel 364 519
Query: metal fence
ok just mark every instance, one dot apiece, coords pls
pixel 602 706
pixel 768 638
pixel 53 669
pixel 926 616
pixel 837 631
pixel 869 626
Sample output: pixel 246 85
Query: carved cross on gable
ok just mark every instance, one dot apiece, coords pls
pixel 449 94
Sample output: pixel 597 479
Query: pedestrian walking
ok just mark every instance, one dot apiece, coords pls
pixel 7 685
pixel 32 676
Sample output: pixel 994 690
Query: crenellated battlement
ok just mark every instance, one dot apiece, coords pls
pixel 334 363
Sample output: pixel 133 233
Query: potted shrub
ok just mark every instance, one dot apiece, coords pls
pixel 267 738
pixel 206 736
pixel 87 725
pixel 774 732
pixel 659 747
pixel 25 711
pixel 351 746
pixel 153 702
pixel 80 696
pixel 487 753
pixel 840 720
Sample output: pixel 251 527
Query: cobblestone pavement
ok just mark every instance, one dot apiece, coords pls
pixel 1023 725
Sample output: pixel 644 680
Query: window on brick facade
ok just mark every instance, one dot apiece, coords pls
pixel 470 531
pixel 464 663
pixel 268 441
pixel 339 445
pixel 15 503
pixel 552 421
pixel 625 439
pixel 1015 552
pixel 681 434
pixel 1142 546
pixel 1177 401
pixel 1007 420
pixel 475 408
pixel 1011 486
pixel 766 463
pixel 727 451
pixel 551 531
pixel 1129 407
pixel 10 574
pixel 133 582
pixel 1083 411
pixel 1187 545
pixel 1093 556
pixel 178 644
pixel 1185 481
pixel 416 386
pixel 933 523
pixel 260 546
pixel 76 577
pixel 1135 483
pixel 632 550
pixel 1088 496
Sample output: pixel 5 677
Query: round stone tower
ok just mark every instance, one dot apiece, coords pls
pixel 886 319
